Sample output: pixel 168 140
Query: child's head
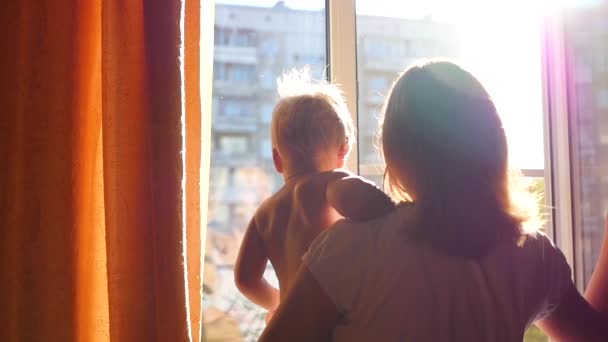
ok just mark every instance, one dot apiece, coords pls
pixel 445 148
pixel 311 127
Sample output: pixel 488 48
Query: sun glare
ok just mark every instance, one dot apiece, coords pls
pixel 503 48
pixel 500 42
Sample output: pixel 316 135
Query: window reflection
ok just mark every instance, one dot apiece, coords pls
pixel 587 55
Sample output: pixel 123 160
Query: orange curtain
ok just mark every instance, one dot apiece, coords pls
pixel 99 178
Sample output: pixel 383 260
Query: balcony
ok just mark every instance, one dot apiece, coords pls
pixel 222 159
pixel 230 124
pixel 235 54
pixel 235 88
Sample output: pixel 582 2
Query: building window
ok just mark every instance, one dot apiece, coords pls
pixel 233 145
pixel 266 116
pixel 237 108
pixel 234 72
pixel 244 37
pixel 269 46
pixel 266 149
pixel 222 36
pixel 241 73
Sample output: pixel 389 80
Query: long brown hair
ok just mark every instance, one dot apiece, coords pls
pixel 444 144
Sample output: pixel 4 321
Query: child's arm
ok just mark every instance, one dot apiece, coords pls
pixel 249 271
pixel 357 198
pixel 597 290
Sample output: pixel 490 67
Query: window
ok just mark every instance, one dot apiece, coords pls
pixel 269 46
pixel 235 108
pixel 268 80
pixel 234 72
pixel 222 36
pixel 267 113
pixel 266 149
pixel 378 84
pixel 273 36
pixel 588 106
pixel 242 172
pixel 241 73
pixel 245 37
pixel 233 145
pixel 386 42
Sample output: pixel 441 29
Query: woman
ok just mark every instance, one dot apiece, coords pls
pixel 460 258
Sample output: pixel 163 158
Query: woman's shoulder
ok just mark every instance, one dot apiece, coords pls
pixel 535 256
pixel 538 244
pixel 355 233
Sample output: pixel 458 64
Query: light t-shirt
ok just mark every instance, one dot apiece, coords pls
pixel 390 288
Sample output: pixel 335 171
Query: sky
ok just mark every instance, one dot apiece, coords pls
pixel 500 44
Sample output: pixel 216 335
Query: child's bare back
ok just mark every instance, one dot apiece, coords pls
pixel 312 133
pixel 285 225
pixel 289 221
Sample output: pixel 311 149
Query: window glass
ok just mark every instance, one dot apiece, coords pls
pixel 235 107
pixel 504 56
pixel 481 36
pixel 233 144
pixel 587 52
pixel 255 41
pixel 222 35
pixel 267 113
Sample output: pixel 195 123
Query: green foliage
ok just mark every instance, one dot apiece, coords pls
pixel 535 335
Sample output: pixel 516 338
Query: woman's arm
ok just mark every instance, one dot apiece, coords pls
pixel 249 271
pixel 575 320
pixel 597 290
pixel 306 314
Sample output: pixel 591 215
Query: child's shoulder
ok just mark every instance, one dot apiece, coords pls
pixel 312 185
pixel 269 205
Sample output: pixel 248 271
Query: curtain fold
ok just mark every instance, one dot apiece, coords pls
pixel 100 202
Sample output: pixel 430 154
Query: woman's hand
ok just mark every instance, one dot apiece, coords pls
pixel 597 290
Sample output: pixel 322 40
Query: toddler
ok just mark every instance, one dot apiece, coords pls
pixel 312 133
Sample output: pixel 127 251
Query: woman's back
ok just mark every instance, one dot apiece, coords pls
pixel 400 289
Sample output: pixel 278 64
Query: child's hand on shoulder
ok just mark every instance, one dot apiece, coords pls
pixel 358 199
pixel 269 316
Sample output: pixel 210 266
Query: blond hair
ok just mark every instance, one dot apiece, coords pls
pixel 443 141
pixel 310 116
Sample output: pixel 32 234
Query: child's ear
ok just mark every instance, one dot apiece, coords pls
pixel 343 155
pixel 276 158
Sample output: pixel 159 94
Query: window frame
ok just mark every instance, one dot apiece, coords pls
pixel 557 140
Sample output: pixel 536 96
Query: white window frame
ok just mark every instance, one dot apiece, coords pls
pixel 557 140
pixel 342 43
pixel 342 52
